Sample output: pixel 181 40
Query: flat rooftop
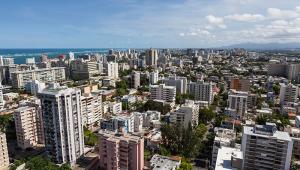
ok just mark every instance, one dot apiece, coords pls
pixel 276 134
pixel 224 158
pixel 159 162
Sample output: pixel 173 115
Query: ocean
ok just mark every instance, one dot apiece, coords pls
pixel 20 55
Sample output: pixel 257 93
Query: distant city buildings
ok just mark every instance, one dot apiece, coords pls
pixel 47 75
pixel 112 70
pixel 151 57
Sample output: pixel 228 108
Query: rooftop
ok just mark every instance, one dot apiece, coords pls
pixel 159 162
pixel 224 158
pixel 266 131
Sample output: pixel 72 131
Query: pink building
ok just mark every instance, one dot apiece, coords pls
pixel 120 151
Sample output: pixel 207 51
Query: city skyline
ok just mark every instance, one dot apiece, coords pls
pixel 143 24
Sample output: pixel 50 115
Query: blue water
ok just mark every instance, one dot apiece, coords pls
pixel 20 55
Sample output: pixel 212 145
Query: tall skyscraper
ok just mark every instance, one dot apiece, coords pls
pixel 121 151
pixel 151 57
pixel 264 147
pixel 62 123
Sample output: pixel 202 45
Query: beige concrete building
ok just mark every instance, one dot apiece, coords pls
pixel 163 92
pixel 29 128
pixel 91 106
pixel 120 151
pixel 54 74
pixel 186 114
pixel 4 159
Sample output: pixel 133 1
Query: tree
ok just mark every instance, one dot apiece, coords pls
pixel 206 114
pixel 182 141
pixel 39 162
pixel 89 137
pixel 5 121
pixel 276 89
pixel 185 165
pixel 121 88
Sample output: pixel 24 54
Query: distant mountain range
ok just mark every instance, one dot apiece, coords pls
pixel 267 46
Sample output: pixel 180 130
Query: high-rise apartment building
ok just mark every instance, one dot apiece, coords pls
pixel 264 147
pixel 135 79
pixel 290 71
pixel 202 91
pixel 288 93
pixel 240 84
pixel 91 104
pixel 237 103
pixel 62 120
pixel 151 57
pixel 185 115
pixel 120 151
pixel 4 159
pixel 112 70
pixel 8 61
pixel 84 69
pixel 179 82
pixel 34 87
pixel 29 127
pixel 47 75
pixel 163 92
pixel 1 97
pixel 153 77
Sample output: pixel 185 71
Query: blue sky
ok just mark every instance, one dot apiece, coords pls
pixel 146 23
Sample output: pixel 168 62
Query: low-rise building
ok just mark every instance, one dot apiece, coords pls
pixel 159 162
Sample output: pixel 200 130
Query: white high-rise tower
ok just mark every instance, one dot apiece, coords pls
pixel 62 123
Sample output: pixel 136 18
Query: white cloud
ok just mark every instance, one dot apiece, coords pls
pixel 216 21
pixel 245 17
pixel 198 33
pixel 277 13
